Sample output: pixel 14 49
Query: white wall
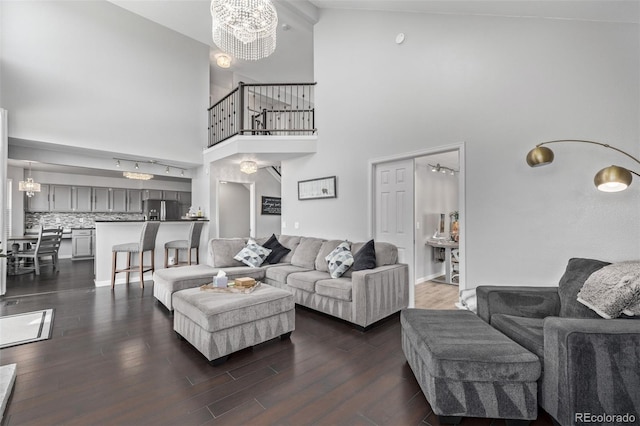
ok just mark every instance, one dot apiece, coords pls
pixel 90 74
pixel 16 174
pixel 501 85
pixel 233 210
pixel 436 193
pixel 265 184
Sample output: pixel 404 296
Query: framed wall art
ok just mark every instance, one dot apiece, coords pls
pixel 314 189
pixel 271 205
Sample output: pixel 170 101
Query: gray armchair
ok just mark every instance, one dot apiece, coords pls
pixel 591 366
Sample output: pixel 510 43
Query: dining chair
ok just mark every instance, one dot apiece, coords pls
pixel 47 245
pixel 147 243
pixel 192 242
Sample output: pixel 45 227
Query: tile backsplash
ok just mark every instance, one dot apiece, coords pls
pixel 73 220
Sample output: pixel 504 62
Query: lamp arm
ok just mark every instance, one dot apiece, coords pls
pixel 595 143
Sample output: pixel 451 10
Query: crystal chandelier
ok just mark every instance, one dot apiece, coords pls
pixel 245 29
pixel 29 186
pixel 135 175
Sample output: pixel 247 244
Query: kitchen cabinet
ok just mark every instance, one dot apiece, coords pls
pixel 60 200
pixel 170 195
pixel 184 198
pixel 152 194
pixel 40 200
pixel 82 243
pixel 100 200
pixel 134 200
pixel 117 200
pixel 81 198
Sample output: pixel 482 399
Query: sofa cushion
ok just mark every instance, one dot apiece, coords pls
pixel 326 248
pixel 577 272
pixel 278 251
pixel 365 258
pixel 305 254
pixel 252 254
pixel 184 277
pixel 195 275
pixel 527 332
pixel 337 288
pixel 386 254
pixel 291 242
pixel 306 280
pixel 223 250
pixel 339 260
pixel 281 272
pixel 612 289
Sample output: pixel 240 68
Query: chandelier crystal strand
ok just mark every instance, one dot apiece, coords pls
pixel 245 29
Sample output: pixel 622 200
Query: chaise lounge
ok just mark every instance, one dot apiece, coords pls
pixel 587 365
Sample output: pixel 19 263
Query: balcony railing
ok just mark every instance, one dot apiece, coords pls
pixel 263 109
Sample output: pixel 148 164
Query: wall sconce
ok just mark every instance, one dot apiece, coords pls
pixel 248 167
pixel 609 179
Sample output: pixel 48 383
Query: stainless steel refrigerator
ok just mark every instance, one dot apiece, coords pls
pixel 161 210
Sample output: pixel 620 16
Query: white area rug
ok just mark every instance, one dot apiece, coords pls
pixel 25 328
pixel 7 379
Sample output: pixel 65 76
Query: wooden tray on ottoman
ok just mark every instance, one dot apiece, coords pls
pixel 233 289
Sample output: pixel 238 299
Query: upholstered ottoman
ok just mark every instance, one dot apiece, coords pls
pixel 467 368
pixel 218 324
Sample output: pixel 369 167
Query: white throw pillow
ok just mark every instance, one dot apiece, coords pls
pixel 339 260
pixel 252 254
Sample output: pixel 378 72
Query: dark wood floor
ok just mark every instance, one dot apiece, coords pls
pixel 114 359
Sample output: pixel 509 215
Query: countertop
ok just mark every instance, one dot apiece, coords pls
pixel 140 221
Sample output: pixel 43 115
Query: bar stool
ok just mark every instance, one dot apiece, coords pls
pixel 147 243
pixel 192 243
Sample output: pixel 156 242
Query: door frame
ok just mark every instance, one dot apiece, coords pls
pixel 460 147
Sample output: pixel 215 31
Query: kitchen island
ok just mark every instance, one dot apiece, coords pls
pixel 110 233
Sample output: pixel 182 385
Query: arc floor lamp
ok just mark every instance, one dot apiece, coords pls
pixel 610 179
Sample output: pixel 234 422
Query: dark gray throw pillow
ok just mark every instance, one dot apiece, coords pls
pixel 577 272
pixel 278 251
pixel 365 258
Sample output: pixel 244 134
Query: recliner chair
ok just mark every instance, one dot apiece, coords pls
pixel 591 365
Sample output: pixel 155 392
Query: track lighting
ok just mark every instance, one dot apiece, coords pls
pixel 442 169
pixel 136 165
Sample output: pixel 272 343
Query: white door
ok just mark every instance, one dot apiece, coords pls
pixel 394 210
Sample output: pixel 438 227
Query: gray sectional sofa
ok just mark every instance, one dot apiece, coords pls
pixel 360 297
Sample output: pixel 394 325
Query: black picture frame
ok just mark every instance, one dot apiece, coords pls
pixel 314 189
pixel 271 206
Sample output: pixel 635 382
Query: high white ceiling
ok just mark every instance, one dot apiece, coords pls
pixel 293 58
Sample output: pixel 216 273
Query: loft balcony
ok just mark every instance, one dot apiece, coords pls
pixel 275 120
